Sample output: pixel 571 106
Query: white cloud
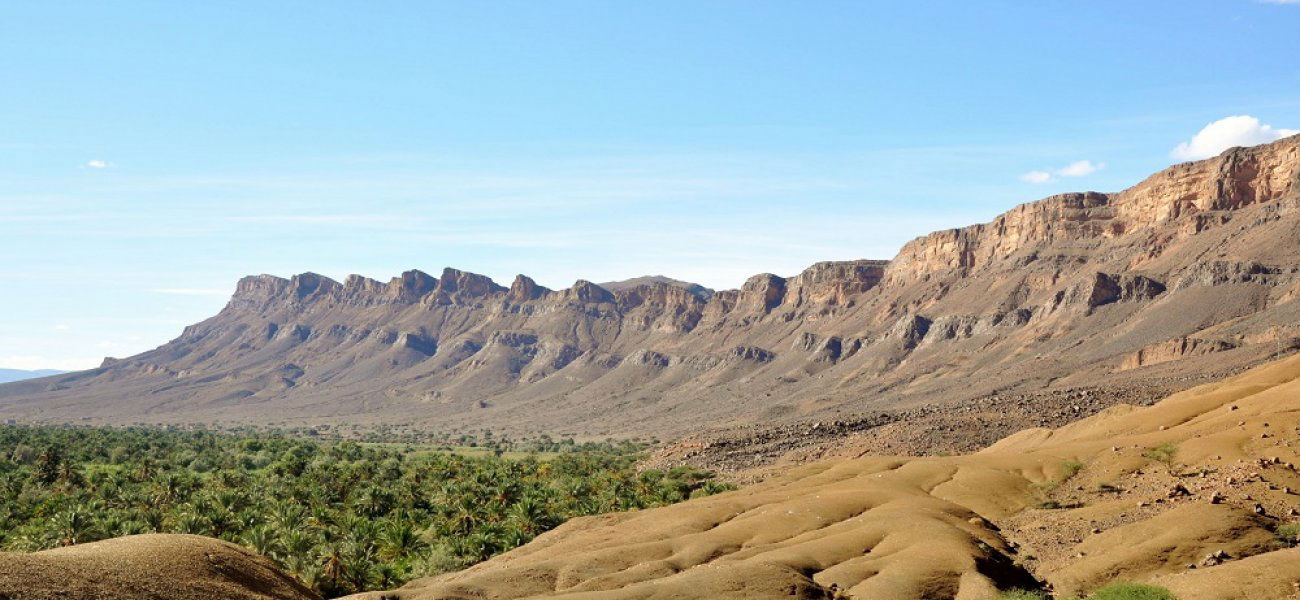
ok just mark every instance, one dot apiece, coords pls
pixel 1078 168
pixel 97 164
pixel 1279 1
pixel 62 327
pixel 191 291
pixel 1239 130
pixel 1036 177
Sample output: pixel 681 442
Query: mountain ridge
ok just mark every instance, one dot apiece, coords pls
pixel 1127 288
pixel 7 375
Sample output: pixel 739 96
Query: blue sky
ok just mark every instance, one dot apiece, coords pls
pixel 151 153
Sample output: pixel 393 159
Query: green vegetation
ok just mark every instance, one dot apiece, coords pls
pixel 1163 453
pixel 1121 590
pixel 1289 533
pixel 1022 595
pixel 342 516
pixel 1112 591
pixel 1069 468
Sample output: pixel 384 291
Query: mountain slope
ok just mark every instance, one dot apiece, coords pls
pixel 1189 275
pixel 1188 493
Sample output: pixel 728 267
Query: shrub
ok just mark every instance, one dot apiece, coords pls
pixel 1163 453
pixel 1018 594
pixel 1070 468
pixel 1122 590
pixel 1289 533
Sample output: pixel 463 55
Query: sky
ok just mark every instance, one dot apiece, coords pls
pixel 152 153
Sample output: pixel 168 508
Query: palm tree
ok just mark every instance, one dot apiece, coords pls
pixel 288 515
pixel 261 540
pixel 295 543
pixel 47 465
pixel 191 522
pixel 397 539
pixel 72 525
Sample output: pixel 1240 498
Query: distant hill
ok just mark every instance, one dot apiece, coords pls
pixel 7 375
pixel 617 286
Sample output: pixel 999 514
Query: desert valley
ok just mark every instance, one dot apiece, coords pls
pixel 1091 388
pixel 608 300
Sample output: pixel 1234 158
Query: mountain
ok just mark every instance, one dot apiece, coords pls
pixel 1187 494
pixel 7 375
pixel 1052 311
pixel 628 284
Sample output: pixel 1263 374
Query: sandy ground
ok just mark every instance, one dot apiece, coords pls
pixel 1187 493
pixel 152 567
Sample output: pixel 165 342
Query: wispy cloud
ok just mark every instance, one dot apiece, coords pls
pixel 1036 177
pixel 1078 168
pixel 191 291
pixel 1228 132
pixel 97 164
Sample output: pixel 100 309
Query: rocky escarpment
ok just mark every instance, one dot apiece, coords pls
pixel 1189 274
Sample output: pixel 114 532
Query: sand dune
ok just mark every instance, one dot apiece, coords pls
pixel 153 567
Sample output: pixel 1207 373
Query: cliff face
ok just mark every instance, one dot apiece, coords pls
pixel 1195 192
pixel 1200 262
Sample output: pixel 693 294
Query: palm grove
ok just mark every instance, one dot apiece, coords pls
pixel 341 516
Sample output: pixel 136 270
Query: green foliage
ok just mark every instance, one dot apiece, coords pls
pixel 1070 468
pixel 1289 533
pixel 342 516
pixel 1163 453
pixel 1021 595
pixel 1121 590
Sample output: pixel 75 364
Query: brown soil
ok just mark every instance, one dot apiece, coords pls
pixel 147 567
pixel 1185 493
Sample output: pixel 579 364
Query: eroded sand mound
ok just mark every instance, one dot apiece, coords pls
pixel 157 566
pixel 1187 493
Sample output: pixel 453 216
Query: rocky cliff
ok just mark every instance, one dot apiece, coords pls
pixel 1189 274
